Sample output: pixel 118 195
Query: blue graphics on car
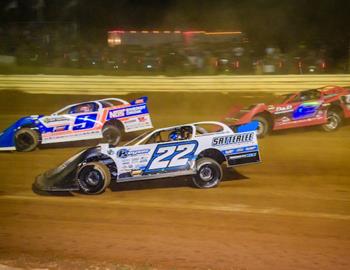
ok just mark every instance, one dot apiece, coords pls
pixel 305 110
pixel 198 151
pixel 172 156
pixel 103 119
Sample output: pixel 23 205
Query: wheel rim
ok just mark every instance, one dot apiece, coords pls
pixel 206 173
pixel 93 178
pixel 110 136
pixel 332 122
pixel 24 140
pixel 260 129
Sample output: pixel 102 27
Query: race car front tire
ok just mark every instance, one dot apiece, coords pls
pixel 111 134
pixel 93 178
pixel 26 139
pixel 209 173
pixel 263 126
pixel 333 121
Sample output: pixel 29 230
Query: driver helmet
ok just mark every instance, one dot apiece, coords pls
pixel 85 108
pixel 175 136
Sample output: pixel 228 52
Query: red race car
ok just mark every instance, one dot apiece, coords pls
pixel 326 106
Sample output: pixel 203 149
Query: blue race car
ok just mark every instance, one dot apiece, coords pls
pixel 105 119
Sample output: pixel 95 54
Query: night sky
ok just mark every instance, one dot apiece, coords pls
pixel 266 22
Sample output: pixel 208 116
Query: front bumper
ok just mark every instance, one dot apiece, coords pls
pixel 63 177
pixel 44 183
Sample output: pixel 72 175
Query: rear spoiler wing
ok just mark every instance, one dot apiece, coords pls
pixel 139 101
pixel 251 126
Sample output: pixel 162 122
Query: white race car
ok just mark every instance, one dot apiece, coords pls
pixel 197 149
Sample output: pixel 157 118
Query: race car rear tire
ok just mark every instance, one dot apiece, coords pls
pixel 209 173
pixel 93 178
pixel 333 121
pixel 26 139
pixel 263 126
pixel 111 134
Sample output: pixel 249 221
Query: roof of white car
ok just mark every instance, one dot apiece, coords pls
pixel 224 126
pixel 98 100
pixel 113 99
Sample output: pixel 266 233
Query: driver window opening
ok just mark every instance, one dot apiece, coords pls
pixel 307 96
pixel 202 129
pixel 84 108
pixel 171 135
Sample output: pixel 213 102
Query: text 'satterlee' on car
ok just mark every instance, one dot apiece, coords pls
pixel 326 106
pixel 106 118
pixel 197 149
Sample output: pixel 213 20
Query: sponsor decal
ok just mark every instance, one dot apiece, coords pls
pixel 61 128
pixel 56 119
pixel 239 138
pixel 130 121
pixel 142 119
pixel 118 113
pixel 139 101
pixel 244 156
pixel 136 172
pixel 285 119
pixel 54 136
pixel 240 150
pixel 283 109
pixel 135 110
pixel 124 153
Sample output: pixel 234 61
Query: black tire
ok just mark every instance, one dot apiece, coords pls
pixel 26 139
pixel 111 134
pixel 334 120
pixel 93 178
pixel 263 127
pixel 209 173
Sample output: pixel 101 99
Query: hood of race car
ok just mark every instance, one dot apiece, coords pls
pixel 7 136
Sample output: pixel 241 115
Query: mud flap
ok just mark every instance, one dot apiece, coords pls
pixel 243 158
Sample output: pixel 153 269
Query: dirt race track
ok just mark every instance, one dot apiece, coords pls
pixel 292 211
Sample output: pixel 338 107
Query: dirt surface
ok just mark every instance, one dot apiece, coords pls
pixel 292 211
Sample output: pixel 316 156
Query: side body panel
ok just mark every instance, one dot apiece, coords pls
pixel 298 114
pixel 134 117
pixel 86 126
pixel 70 127
pixel 175 158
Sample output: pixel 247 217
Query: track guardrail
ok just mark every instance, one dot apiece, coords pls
pixel 114 85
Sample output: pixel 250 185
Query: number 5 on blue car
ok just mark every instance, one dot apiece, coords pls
pixel 105 119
